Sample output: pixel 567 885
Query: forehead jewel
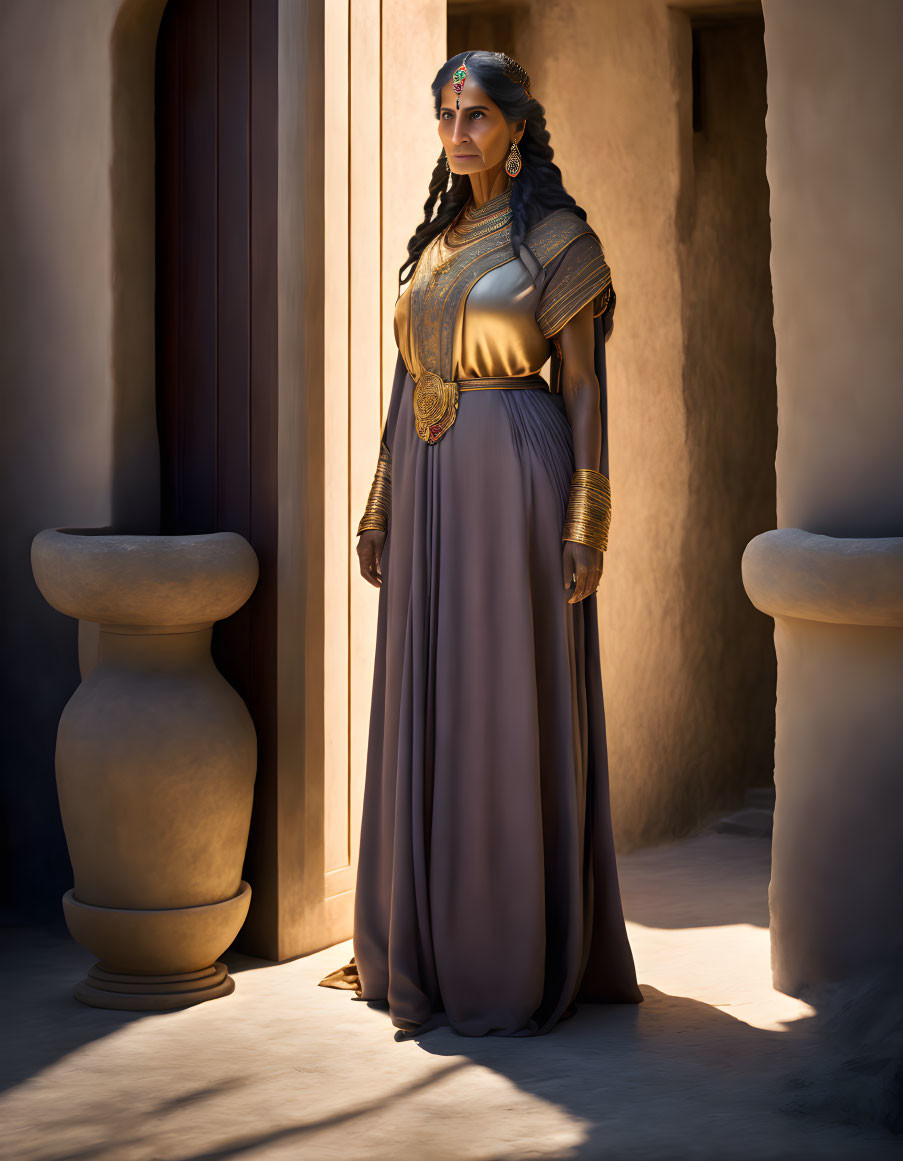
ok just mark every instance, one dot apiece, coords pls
pixel 458 79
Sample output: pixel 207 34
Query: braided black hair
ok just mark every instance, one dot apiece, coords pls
pixel 537 190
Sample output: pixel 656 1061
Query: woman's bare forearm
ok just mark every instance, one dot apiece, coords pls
pixel 580 387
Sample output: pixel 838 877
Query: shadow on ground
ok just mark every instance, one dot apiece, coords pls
pixel 41 1019
pixel 667 1080
pixel 284 1069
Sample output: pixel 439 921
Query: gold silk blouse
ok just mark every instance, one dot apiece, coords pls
pixel 481 313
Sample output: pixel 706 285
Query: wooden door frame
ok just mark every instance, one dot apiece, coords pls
pixel 294 873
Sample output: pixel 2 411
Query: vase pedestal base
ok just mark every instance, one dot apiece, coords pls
pixel 105 989
pixel 147 958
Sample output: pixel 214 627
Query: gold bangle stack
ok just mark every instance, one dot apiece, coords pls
pixel 379 502
pixel 588 514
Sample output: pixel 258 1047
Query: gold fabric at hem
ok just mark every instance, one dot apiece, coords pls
pixel 345 977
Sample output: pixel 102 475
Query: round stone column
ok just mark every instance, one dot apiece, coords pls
pixel 836 893
pixel 832 573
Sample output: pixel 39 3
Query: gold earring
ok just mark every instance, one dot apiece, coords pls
pixel 513 163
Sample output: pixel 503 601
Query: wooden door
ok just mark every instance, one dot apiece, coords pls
pixel 216 119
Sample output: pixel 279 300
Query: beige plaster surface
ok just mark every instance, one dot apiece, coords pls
pixel 76 289
pixel 688 666
pixel 704 1068
pixel 835 169
pixel 78 441
pixel 606 76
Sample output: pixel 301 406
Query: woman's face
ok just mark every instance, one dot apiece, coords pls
pixel 477 136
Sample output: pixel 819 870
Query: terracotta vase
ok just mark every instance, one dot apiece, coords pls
pixel 156 757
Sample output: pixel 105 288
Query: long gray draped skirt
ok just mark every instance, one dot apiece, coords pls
pixel 487 891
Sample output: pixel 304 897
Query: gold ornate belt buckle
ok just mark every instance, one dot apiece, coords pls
pixel 435 405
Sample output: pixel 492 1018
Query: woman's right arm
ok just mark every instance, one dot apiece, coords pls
pixel 374 524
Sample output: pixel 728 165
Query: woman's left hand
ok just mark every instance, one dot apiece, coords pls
pixel 585 563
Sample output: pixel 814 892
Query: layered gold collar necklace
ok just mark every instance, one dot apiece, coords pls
pixel 478 221
pixel 472 224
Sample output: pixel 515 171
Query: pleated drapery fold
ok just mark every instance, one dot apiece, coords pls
pixel 487 890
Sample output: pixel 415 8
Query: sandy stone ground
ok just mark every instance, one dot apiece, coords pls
pixel 712 1065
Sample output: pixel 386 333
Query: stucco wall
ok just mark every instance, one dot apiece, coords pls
pixel 78 441
pixel 688 670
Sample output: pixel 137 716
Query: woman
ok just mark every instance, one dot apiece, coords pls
pixel 487 892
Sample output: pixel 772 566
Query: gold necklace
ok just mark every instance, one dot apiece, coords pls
pixel 478 221
pixel 472 210
pixel 473 223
